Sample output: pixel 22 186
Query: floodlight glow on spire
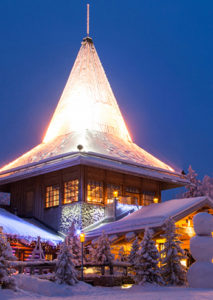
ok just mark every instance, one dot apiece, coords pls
pixel 87 102
pixel 88 114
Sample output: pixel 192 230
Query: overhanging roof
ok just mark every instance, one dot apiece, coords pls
pixel 90 159
pixel 153 216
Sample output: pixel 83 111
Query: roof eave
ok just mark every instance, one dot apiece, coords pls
pixel 91 159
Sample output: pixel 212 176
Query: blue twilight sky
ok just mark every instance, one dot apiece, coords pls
pixel 158 56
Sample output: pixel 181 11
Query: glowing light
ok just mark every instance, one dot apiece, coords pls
pixel 126 286
pixel 78 232
pixel 82 237
pixel 115 194
pixel 87 102
pixel 190 231
pixel 156 200
pixel 88 114
pixel 183 262
pixel 160 241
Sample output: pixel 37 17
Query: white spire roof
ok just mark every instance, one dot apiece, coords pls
pixel 87 102
pixel 88 114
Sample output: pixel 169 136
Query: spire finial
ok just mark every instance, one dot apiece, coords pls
pixel 88 19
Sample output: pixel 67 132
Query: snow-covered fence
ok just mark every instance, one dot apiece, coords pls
pixel 41 267
pixel 112 267
pixel 33 267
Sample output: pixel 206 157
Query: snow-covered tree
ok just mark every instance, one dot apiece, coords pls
pixel 193 189
pixel 173 272
pixel 147 261
pixel 65 270
pixel 122 255
pixel 207 186
pixel 38 253
pixel 133 253
pixel 6 255
pixel 74 244
pixel 102 252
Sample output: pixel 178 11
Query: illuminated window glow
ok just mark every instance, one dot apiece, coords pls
pixel 95 192
pixel 52 196
pixel 111 188
pixel 70 191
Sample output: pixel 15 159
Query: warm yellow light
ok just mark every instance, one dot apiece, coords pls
pixel 155 200
pixel 160 241
pixel 126 286
pixel 82 237
pixel 190 231
pixel 115 194
pixel 183 262
pixel 109 201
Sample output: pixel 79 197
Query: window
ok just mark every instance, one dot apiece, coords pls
pixel 148 197
pixel 112 188
pixel 134 194
pixel 70 191
pixel 95 192
pixel 52 196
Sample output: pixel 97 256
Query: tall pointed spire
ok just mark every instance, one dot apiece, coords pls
pixel 87 19
pixel 87 102
pixel 88 115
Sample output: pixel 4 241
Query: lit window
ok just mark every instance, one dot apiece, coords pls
pixel 148 198
pixel 112 188
pixel 70 191
pixel 52 196
pixel 95 192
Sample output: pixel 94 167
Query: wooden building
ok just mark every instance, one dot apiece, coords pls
pixel 86 155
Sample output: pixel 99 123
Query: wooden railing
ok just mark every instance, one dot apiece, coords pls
pixel 42 267
pixel 34 267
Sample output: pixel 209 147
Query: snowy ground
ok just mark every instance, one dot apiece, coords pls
pixel 34 288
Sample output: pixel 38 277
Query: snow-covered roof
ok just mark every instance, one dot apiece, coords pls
pixel 87 114
pixel 15 226
pixel 154 215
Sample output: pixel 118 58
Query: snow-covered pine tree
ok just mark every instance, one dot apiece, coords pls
pixel 102 252
pixel 121 255
pixel 207 186
pixel 74 244
pixel 38 253
pixel 133 253
pixel 146 264
pixel 6 255
pixel 194 188
pixel 65 269
pixel 172 271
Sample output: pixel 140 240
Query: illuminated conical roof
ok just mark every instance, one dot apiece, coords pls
pixel 87 101
pixel 88 114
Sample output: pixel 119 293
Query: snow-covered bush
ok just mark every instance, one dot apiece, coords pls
pixel 173 272
pixel 147 261
pixel 133 253
pixel 65 270
pixel 6 255
pixel 102 252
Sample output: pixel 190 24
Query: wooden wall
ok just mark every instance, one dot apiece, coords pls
pixel 28 196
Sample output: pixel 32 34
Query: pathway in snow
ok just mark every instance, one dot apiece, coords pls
pixel 99 293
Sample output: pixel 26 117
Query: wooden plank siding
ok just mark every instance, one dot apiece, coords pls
pixel 34 189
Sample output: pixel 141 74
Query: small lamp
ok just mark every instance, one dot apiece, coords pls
pixel 115 194
pixel 155 200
